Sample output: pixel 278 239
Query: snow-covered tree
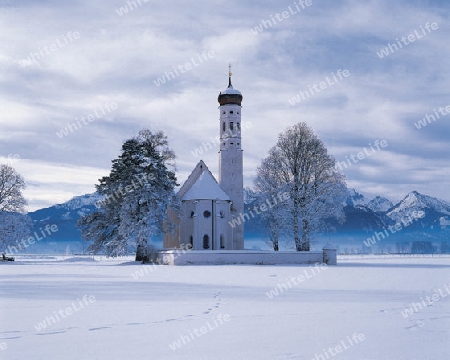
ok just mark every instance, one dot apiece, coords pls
pixel 136 193
pixel 14 227
pixel 11 186
pixel 300 165
pixel 268 186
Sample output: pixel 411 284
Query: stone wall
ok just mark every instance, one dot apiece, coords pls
pixel 211 257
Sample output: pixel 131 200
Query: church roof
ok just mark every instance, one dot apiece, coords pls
pixel 205 188
pixel 230 95
pixel 192 178
pixel 231 91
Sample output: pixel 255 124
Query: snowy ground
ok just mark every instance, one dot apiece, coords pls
pixel 350 311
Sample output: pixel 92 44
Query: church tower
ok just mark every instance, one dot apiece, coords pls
pixel 231 177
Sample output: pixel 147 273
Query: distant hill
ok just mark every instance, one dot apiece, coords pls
pixel 65 216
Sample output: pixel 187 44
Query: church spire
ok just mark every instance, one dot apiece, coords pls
pixel 230 95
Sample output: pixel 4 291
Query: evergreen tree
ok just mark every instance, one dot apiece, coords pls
pixel 136 193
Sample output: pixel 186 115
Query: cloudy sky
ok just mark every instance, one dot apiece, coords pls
pixel 61 61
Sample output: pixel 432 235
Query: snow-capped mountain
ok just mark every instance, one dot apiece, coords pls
pixel 354 198
pixel 379 204
pixel 363 219
pixel 415 202
pixel 65 217
pixel 70 210
pixel 79 202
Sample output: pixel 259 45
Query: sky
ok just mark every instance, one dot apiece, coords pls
pixel 326 63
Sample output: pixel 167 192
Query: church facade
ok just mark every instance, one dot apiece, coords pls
pixel 208 206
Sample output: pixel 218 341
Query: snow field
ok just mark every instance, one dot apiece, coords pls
pixel 180 312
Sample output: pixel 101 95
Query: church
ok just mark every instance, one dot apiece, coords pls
pixel 208 206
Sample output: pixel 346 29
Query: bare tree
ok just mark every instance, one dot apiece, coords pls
pixel 11 186
pixel 300 165
pixel 268 185
pixel 14 227
pixel 14 224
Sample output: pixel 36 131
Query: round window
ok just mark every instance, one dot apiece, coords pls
pixel 206 214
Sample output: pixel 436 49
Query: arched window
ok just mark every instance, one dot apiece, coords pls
pixel 192 214
pixel 224 126
pixel 231 125
pixel 222 245
pixel 238 124
pixel 191 241
pixel 205 241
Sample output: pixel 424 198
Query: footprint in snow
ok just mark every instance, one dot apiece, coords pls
pixel 100 328
pixel 416 326
pixel 53 333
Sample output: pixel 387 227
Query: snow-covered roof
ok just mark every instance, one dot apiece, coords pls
pixel 230 91
pixel 205 188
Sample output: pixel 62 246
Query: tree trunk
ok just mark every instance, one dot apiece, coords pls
pixel 275 244
pixel 141 253
pixel 295 213
pixel 305 246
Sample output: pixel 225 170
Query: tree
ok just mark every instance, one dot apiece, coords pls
pixel 268 185
pixel 136 193
pixel 14 227
pixel 11 186
pixel 14 224
pixel 422 247
pixel 300 165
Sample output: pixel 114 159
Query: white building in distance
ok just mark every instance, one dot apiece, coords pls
pixel 208 207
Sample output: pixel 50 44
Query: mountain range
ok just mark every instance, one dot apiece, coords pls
pixel 364 219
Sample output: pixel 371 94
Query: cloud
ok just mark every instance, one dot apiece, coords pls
pixel 118 58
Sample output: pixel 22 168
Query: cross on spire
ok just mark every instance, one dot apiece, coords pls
pixel 229 75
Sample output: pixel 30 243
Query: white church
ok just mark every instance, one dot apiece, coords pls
pixel 208 206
